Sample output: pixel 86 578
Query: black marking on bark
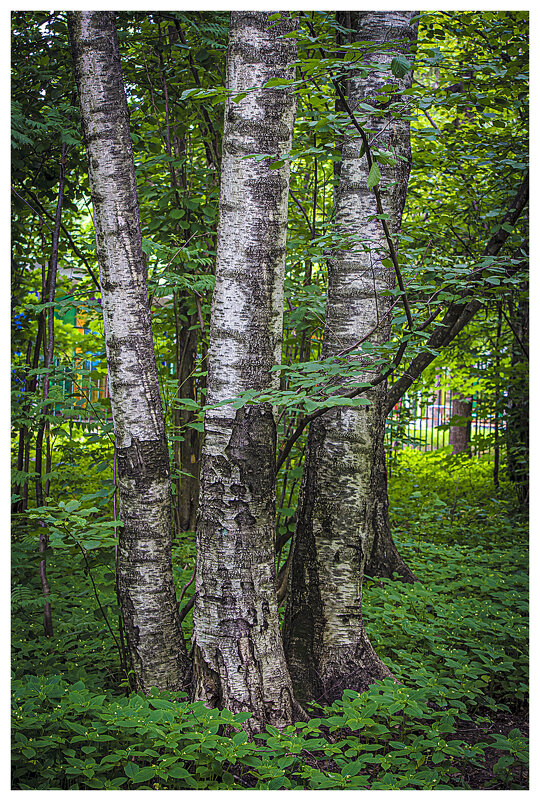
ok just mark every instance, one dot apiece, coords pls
pixel 144 460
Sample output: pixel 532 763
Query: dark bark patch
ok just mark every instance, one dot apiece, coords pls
pixel 144 460
pixel 253 429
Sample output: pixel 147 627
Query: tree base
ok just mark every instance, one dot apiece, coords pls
pixel 384 561
pixel 348 667
pixel 273 706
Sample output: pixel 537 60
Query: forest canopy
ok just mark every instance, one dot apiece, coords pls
pixel 269 447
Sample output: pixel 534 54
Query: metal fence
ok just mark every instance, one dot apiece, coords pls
pixel 79 392
pixel 421 420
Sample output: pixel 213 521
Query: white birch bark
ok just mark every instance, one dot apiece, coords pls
pixel 343 500
pixel 147 595
pixel 239 661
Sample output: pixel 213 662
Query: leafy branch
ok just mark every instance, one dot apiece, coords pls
pixel 459 313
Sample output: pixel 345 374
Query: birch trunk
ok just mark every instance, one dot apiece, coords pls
pixel 147 595
pixel 239 661
pixel 343 501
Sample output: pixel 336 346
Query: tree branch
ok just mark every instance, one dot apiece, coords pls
pixel 63 229
pixel 458 314
pixel 518 339
pixel 352 394
pixel 302 209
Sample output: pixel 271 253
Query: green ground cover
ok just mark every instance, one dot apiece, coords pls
pixel 456 640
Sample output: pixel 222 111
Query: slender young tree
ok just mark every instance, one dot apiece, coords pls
pixel 343 503
pixel 517 401
pixel 147 595
pixel 239 662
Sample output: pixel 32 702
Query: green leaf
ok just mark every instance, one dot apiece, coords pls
pixel 177 772
pixel 273 730
pixel 311 405
pixel 277 82
pixel 374 176
pixel 131 769
pixel 241 717
pixel 400 66
pixel 196 426
pixel 143 775
pixel 186 403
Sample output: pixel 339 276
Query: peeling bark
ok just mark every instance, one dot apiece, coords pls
pixel 146 589
pixel 239 661
pixel 343 505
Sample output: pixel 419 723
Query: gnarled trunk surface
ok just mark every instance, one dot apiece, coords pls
pixel 147 595
pixel 343 501
pixel 239 661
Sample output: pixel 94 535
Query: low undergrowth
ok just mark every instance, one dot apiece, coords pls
pixel 457 641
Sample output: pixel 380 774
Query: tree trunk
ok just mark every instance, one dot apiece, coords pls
pixel 147 596
pixel 384 560
pixel 497 400
pixel 24 432
pixel 49 292
pixel 239 661
pixel 460 435
pixel 517 411
pixel 48 296
pixel 187 448
pixel 343 500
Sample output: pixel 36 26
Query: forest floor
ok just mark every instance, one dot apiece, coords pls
pixel 456 639
pixel 481 777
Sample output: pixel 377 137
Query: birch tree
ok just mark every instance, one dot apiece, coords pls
pixel 343 504
pixel 147 594
pixel 239 661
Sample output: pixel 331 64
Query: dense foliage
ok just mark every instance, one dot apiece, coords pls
pixel 456 639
